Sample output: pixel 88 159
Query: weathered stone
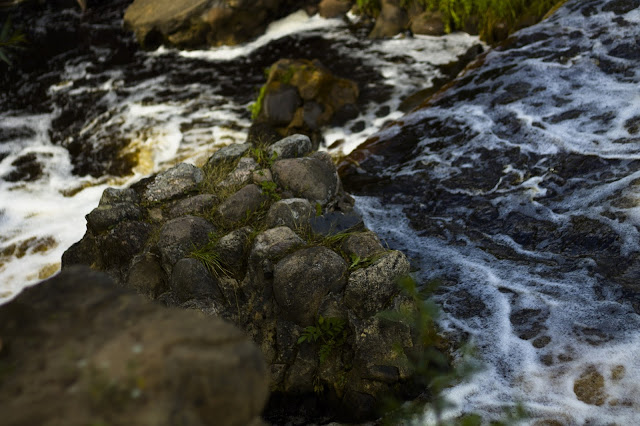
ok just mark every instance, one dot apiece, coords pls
pixel 302 95
pixel 291 147
pixel 146 275
pixel 242 174
pixel 177 181
pixel 362 245
pixel 391 20
pixel 107 215
pixel 273 243
pixel 308 178
pixel 198 204
pixel 114 196
pixel 376 342
pixel 299 376
pixel 84 252
pixel 335 222
pixel 302 279
pixel 121 360
pixel 233 248
pixel 242 203
pixel 119 245
pixel 190 279
pixel 228 154
pixel 370 289
pixel 179 237
pixel 262 175
pixel 333 8
pixel 194 23
pixel 294 213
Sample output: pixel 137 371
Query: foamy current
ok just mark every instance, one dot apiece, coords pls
pixel 520 191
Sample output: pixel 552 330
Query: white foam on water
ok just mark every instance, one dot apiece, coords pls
pixel 295 23
pixel 566 119
pixel 512 372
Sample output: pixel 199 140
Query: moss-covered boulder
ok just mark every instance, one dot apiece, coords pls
pixel 301 96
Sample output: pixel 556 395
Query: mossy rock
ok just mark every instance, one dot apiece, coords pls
pixel 301 95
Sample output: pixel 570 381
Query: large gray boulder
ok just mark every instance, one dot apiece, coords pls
pixel 294 213
pixel 176 181
pixel 242 203
pixel 302 279
pixel 370 289
pixel 78 350
pixel 179 237
pixel 308 177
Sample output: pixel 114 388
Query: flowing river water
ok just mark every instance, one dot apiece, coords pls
pixel 103 113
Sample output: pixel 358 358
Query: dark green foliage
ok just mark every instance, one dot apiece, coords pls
pixel 433 371
pixel 329 332
pixel 270 189
pixel 10 38
pixel 484 15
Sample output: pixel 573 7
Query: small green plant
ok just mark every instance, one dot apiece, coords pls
pixel 262 157
pixel 432 368
pixel 330 332
pixel 270 189
pixel 256 106
pixel 211 259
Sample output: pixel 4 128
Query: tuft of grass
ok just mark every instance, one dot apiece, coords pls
pixel 485 15
pixel 213 177
pixel 211 259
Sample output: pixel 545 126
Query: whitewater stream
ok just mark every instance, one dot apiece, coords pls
pixel 103 113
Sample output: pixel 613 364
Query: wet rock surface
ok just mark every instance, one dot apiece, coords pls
pixel 278 258
pixel 120 359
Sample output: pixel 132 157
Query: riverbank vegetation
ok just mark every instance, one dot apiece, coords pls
pixel 482 16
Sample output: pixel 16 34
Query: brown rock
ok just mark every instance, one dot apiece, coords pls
pixel 79 351
pixel 334 8
pixel 392 20
pixel 428 23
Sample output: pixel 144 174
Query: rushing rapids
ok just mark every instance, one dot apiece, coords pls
pixel 518 188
